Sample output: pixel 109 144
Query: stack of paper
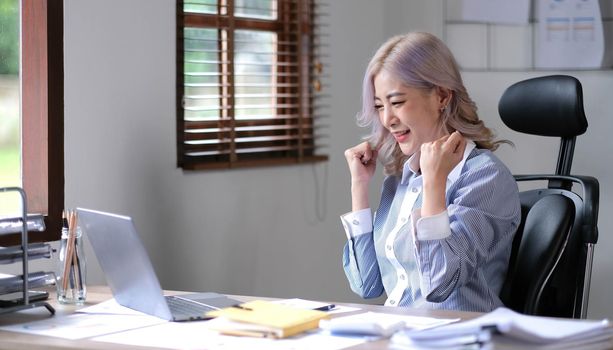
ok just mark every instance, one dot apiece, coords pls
pixel 513 329
pixel 265 319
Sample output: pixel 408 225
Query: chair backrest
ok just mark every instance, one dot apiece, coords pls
pixel 545 228
pixel 551 261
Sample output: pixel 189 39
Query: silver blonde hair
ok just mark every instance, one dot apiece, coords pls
pixel 420 60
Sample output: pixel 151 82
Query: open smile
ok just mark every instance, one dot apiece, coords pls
pixel 401 136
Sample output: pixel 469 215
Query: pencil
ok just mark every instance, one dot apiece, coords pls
pixel 79 266
pixel 66 266
pixel 69 248
pixel 72 233
pixel 76 267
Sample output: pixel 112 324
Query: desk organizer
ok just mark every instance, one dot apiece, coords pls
pixel 15 291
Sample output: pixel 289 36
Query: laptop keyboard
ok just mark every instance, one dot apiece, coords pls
pixel 182 307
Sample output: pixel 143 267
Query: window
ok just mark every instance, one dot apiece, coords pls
pixel 248 78
pixel 42 105
pixel 9 104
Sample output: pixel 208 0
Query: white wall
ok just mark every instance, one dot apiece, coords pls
pixel 223 230
pixel 249 231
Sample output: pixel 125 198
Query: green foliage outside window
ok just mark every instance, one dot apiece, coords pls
pixel 9 37
pixel 9 103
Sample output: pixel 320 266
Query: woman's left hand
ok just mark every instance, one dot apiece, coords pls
pixel 439 157
pixel 436 161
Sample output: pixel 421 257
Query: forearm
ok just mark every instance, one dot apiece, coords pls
pixel 361 160
pixel 361 267
pixel 439 266
pixel 441 270
pixel 433 201
pixel 359 196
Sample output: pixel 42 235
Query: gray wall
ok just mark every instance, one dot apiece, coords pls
pixel 256 231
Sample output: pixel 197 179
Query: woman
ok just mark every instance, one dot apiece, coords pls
pixel 441 236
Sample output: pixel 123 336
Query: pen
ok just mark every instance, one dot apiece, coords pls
pixel 238 306
pixel 325 307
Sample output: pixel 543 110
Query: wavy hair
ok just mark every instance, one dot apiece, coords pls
pixel 420 60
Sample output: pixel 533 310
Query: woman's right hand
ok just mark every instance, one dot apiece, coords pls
pixel 362 161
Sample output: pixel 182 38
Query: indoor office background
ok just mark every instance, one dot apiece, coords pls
pixel 267 231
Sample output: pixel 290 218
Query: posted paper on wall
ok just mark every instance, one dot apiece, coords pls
pixel 496 11
pixel 569 34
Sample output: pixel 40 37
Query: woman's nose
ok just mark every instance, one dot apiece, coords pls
pixel 388 118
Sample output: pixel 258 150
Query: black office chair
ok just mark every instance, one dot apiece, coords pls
pixel 551 261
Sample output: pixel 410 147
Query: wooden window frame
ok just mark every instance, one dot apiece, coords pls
pixel 42 111
pixel 284 27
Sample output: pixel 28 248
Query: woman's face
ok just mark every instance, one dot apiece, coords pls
pixel 411 115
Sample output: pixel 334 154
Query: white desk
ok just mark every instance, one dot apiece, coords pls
pixel 96 294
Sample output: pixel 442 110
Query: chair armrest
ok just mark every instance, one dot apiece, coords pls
pixel 590 194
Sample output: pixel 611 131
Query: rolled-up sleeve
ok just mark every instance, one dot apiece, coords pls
pixel 477 227
pixel 431 227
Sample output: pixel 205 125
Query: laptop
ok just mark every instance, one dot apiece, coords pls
pixel 130 274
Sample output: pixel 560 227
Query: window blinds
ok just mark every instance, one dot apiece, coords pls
pixel 249 83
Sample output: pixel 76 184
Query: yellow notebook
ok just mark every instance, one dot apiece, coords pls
pixel 265 319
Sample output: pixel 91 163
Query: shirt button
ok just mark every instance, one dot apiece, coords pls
pixel 402 277
pixel 389 247
pixel 356 222
pixel 403 219
pixel 392 302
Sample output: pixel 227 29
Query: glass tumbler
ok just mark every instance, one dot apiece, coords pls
pixel 71 268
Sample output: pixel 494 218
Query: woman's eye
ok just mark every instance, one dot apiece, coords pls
pixel 397 103
pixel 378 107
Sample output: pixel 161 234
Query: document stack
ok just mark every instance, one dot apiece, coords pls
pixel 506 329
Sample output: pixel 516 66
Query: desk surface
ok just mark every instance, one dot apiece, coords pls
pixel 96 294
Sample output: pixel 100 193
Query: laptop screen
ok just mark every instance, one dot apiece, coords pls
pixel 124 261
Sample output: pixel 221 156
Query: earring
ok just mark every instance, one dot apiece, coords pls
pixel 443 109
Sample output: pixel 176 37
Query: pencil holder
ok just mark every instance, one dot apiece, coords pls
pixel 71 269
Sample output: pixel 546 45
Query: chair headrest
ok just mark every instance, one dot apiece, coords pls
pixel 545 106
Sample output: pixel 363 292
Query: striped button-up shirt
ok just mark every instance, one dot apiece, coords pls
pixel 454 260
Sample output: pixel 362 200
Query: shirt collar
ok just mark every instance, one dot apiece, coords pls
pixel 411 166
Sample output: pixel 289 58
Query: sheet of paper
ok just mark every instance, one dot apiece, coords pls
pixel 496 11
pixel 569 34
pixel 78 326
pixel 408 340
pixel 197 335
pixel 109 307
pixel 308 304
pixel 340 309
pixel 378 323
